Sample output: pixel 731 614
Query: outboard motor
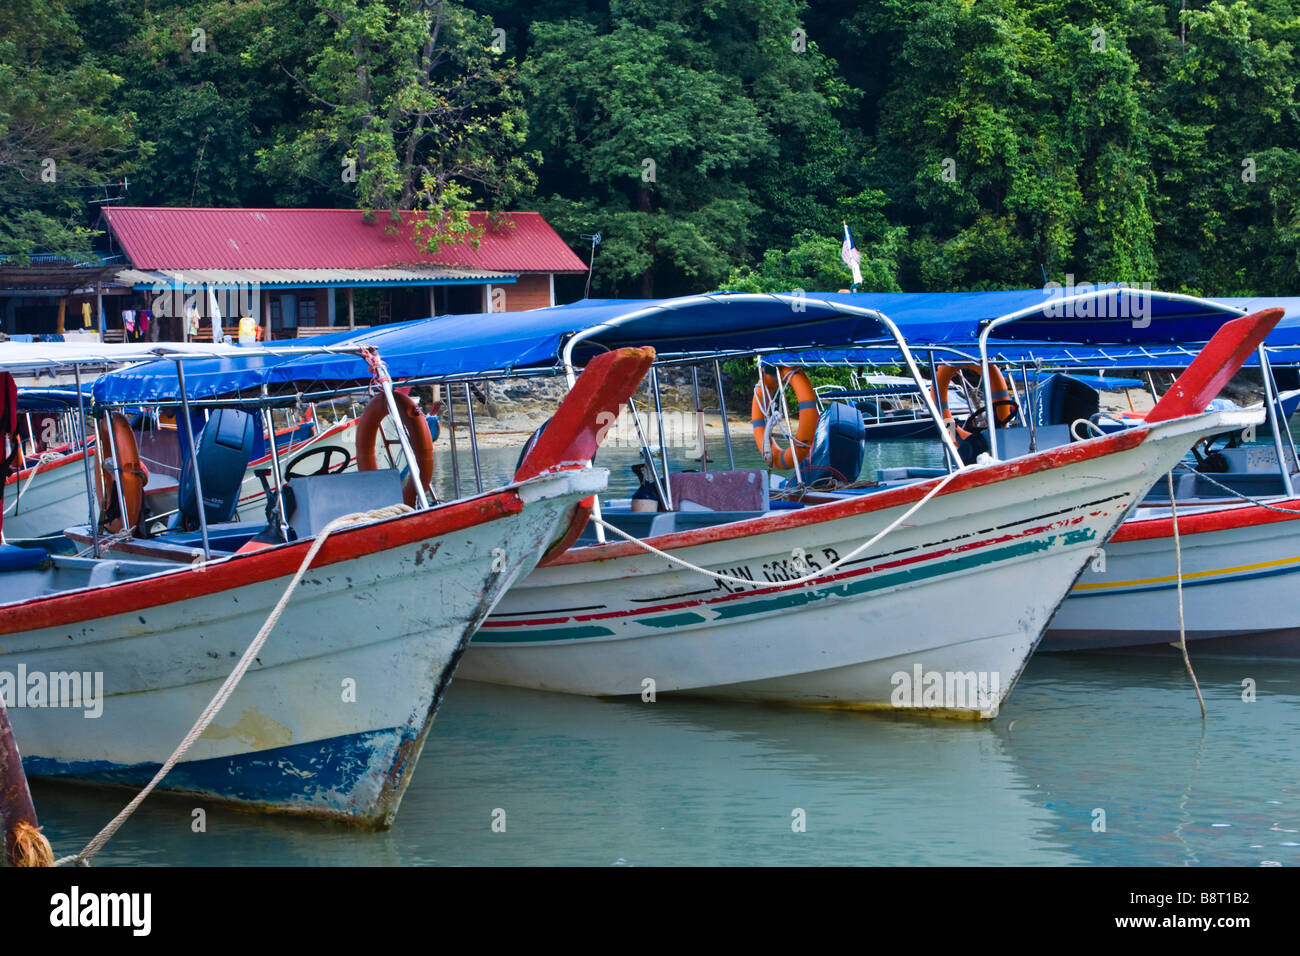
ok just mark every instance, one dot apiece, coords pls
pixel 1062 400
pixel 838 446
pixel 225 447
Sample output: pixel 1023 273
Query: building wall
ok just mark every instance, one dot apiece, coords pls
pixel 529 291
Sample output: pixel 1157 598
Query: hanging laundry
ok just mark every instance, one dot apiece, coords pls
pixel 143 321
pixel 85 315
pixel 128 319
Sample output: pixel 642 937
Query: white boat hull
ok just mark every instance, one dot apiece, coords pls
pixel 1241 585
pixel 958 596
pixel 53 499
pixel 331 718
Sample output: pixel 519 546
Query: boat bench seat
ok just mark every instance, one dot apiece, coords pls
pixel 222 536
pixel 1255 485
pixel 319 499
pixel 1191 485
pixel 742 490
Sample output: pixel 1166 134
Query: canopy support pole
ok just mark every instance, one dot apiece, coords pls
pixel 1273 420
pixel 699 419
pixel 789 433
pixel 1027 412
pixel 451 437
pixel 194 459
pixel 1281 415
pixel 722 410
pixel 380 371
pixel 948 460
pixel 117 472
pixel 663 445
pixel 473 436
pixel 269 425
pixel 640 434
pixel 92 504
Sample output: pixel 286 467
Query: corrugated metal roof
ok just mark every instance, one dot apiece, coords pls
pixel 166 237
pixel 300 278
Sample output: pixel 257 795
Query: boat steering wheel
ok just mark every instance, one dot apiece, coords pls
pixel 327 467
pixel 976 420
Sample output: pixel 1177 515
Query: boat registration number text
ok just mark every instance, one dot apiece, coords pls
pixel 778 570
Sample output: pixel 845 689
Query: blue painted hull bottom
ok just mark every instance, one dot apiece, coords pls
pixel 303 779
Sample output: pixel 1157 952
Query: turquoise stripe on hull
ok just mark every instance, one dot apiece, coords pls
pixel 741 608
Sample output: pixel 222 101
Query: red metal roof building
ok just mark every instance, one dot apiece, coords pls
pixel 284 267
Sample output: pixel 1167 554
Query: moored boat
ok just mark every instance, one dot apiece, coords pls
pixel 882 600
pixel 1235 506
pixel 107 660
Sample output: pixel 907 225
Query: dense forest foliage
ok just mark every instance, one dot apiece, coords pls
pixel 713 144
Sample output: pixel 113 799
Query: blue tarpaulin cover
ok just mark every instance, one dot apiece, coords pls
pixel 485 344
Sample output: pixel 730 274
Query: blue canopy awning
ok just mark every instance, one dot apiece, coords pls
pixel 51 400
pixel 484 345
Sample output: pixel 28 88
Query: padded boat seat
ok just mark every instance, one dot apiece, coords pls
pixel 316 500
pixel 744 490
pixel 14 558
pixel 1014 442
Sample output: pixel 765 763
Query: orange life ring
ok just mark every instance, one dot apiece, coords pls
pixel 417 430
pixel 805 431
pixel 943 377
pixel 134 475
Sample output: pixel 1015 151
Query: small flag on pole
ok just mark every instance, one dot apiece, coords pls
pixel 852 258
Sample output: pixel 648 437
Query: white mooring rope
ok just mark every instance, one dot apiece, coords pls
pixel 1182 627
pixel 1245 497
pixel 223 694
pixel 22 490
pixel 833 566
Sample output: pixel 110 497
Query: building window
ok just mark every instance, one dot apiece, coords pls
pixel 307 309
pixel 275 310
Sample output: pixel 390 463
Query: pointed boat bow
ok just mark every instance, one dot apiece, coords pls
pixel 1219 360
pixel 576 429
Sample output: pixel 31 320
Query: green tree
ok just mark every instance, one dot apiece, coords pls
pixel 1227 213
pixel 60 133
pixel 409 108
pixel 687 135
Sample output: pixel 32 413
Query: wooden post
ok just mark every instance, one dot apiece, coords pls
pixel 352 315
pixel 99 310
pixel 24 845
pixel 266 315
pixel 432 308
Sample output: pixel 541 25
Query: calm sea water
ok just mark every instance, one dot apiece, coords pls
pixel 679 781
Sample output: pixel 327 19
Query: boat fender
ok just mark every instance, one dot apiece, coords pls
pixel 417 430
pixel 134 474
